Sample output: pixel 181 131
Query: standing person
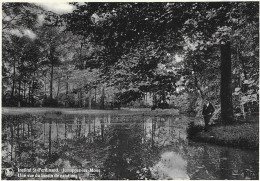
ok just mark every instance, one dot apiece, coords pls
pixel 207 112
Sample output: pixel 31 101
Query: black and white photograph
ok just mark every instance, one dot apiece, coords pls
pixel 130 90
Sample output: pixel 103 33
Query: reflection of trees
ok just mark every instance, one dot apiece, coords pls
pixel 57 127
pixel 18 140
pixel 78 130
pixel 224 165
pixel 102 129
pixel 212 162
pixel 65 129
pixel 12 140
pixel 126 147
pixel 128 156
pixel 131 153
pixel 23 130
pixel 153 128
pixel 50 123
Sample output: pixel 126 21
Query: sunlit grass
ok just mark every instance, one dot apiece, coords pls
pixel 244 135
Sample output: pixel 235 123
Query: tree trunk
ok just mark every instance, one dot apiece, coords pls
pixel 29 94
pixel 79 99
pixel 154 99
pixel 32 92
pixel 89 98
pixel 67 91
pixel 24 90
pixel 19 94
pixel 45 87
pixel 51 81
pixel 240 80
pixel 197 85
pixel 28 129
pixel 13 87
pixel 244 87
pixel 58 90
pixel 102 101
pixel 80 56
pixel 227 114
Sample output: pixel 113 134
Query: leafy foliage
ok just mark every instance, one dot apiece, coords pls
pixel 134 48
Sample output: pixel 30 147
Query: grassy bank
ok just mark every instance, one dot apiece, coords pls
pixel 123 111
pixel 242 135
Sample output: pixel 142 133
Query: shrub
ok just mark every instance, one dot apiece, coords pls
pixel 193 129
pixel 48 102
pixel 242 135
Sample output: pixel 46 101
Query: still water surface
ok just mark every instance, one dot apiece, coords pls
pixel 117 147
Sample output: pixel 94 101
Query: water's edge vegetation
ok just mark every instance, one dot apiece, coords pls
pixel 241 135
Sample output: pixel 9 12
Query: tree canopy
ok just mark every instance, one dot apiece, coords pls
pixel 131 50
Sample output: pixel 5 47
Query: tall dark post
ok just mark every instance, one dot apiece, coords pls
pixel 227 114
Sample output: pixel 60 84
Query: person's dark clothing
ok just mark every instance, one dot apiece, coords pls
pixel 207 109
pixel 207 112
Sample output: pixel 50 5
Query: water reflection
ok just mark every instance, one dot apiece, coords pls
pixel 171 166
pixel 121 147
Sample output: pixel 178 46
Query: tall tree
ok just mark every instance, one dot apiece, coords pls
pixel 227 114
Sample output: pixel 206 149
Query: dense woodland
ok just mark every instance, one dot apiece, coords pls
pixel 105 55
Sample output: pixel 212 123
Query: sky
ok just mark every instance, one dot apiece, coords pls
pixel 57 7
